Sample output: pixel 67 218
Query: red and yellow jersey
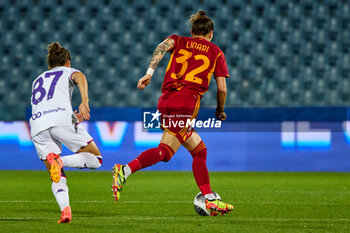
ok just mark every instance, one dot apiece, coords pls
pixel 192 63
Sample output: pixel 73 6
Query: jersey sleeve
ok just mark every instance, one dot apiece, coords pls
pixel 221 66
pixel 72 70
pixel 176 39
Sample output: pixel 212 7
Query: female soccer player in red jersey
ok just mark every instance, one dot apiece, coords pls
pixel 192 63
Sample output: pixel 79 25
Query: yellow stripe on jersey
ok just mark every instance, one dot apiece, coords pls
pixel 194 115
pixel 168 67
pixel 200 147
pixel 211 72
pixel 168 130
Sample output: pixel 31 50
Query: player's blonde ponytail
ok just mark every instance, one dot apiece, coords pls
pixel 201 23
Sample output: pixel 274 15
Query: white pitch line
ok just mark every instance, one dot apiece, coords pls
pixel 94 201
pixel 295 191
pixel 180 202
pixel 48 201
pixel 145 218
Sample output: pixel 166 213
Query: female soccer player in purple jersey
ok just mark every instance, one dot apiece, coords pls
pixel 53 122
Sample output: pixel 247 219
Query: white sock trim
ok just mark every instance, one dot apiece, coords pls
pixel 210 196
pixel 127 171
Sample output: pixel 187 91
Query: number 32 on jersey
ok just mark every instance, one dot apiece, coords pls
pixel 191 76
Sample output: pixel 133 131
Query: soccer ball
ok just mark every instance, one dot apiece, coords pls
pixel 199 204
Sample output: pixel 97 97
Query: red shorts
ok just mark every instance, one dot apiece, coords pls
pixel 178 107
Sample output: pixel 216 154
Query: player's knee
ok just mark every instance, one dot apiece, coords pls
pixel 100 159
pixel 98 162
pixel 200 151
pixel 165 152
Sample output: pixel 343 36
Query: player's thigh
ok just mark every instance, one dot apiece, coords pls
pixel 171 140
pixel 91 148
pixel 192 142
pixel 73 137
pixel 181 108
pixel 45 144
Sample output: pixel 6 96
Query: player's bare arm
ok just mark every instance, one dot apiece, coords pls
pixel 157 56
pixel 221 98
pixel 159 52
pixel 84 109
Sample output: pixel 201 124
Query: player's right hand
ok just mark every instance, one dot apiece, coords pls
pixel 79 116
pixel 144 81
pixel 220 115
pixel 84 109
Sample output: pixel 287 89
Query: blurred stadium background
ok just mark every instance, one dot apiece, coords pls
pixel 280 53
pixel 287 105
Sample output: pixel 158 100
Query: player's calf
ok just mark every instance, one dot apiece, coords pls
pixel 152 156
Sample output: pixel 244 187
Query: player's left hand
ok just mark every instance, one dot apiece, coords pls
pixel 220 115
pixel 144 81
pixel 84 110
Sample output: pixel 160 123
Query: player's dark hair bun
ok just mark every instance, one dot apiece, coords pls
pixel 57 55
pixel 199 15
pixel 201 23
pixel 202 13
pixel 54 48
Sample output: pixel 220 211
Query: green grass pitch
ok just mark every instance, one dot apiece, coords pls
pixel 163 202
